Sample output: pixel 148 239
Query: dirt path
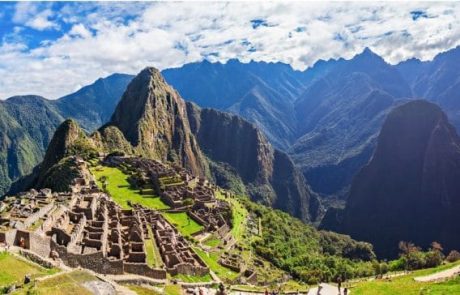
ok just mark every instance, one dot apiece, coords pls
pixel 442 275
pixel 326 290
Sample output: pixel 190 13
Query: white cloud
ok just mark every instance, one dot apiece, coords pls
pixel 34 16
pixel 125 37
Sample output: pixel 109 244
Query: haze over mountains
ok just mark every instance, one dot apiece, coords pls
pixel 326 118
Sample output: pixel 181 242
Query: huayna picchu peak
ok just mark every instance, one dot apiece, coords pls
pixel 153 118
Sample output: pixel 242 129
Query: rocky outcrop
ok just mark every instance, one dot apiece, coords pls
pixel 68 140
pixel 269 175
pixel 153 118
pixel 409 190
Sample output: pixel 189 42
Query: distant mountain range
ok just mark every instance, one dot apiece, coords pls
pixel 326 118
pixel 27 123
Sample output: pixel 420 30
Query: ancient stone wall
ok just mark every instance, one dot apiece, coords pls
pixel 144 270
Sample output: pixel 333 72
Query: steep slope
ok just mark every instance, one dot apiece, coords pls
pixel 263 93
pixel 269 175
pixel 409 190
pixel 93 105
pixel 339 117
pixel 27 124
pixel 153 118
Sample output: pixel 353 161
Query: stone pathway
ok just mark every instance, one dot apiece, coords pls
pixel 442 275
pixel 326 290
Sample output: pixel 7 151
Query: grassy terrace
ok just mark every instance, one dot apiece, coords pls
pixel 66 283
pixel 120 190
pixel 193 279
pixel 184 224
pixel 406 285
pixel 211 259
pixel 13 269
pixel 212 241
pixel 239 215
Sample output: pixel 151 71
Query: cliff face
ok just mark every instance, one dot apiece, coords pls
pixel 410 189
pixel 269 175
pixel 153 118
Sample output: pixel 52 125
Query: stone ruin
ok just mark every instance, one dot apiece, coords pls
pixel 86 228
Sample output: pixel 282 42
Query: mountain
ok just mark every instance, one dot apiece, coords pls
pixel 340 114
pixel 327 118
pixel 159 124
pixel 27 123
pixel 153 118
pixel 409 190
pixel 263 93
pixel 269 174
pixel 93 105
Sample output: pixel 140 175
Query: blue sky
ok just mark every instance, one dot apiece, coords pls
pixel 54 48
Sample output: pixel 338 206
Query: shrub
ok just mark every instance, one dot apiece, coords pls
pixel 453 256
pixel 433 258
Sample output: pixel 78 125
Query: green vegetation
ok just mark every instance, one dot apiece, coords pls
pixel 153 254
pixel 173 290
pixel 150 253
pixel 412 257
pixel 406 285
pixel 120 190
pixel 184 224
pixel 239 216
pixel 60 176
pixel 211 259
pixel 66 283
pixel 13 269
pixel 226 176
pixel 444 288
pixel 193 279
pixel 306 253
pixel 212 241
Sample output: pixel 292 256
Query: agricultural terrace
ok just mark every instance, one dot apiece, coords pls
pixel 117 185
pixel 75 282
pixel 13 269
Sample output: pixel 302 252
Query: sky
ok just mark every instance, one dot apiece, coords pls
pixel 54 48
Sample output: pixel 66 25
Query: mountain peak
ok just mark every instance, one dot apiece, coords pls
pixel 151 72
pixel 152 117
pixel 367 54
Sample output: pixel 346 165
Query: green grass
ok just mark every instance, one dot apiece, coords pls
pixel 406 285
pixel 13 269
pixel 211 259
pixel 444 288
pixel 239 216
pixel 212 241
pixel 121 192
pixel 184 224
pixel 150 253
pixel 173 290
pixel 193 279
pixel 67 283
